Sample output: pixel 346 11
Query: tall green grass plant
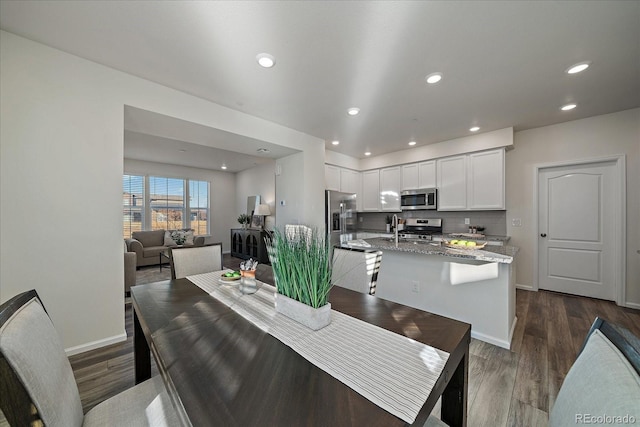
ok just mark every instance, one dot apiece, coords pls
pixel 301 265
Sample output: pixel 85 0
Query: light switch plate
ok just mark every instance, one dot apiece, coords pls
pixel 516 222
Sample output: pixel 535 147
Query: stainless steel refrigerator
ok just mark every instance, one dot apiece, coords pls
pixel 341 218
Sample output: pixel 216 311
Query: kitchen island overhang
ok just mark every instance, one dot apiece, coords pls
pixel 474 286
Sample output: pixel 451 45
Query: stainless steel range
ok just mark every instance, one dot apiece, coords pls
pixel 421 228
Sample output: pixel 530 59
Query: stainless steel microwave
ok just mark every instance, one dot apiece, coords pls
pixel 425 198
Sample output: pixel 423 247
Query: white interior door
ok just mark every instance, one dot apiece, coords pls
pixel 576 226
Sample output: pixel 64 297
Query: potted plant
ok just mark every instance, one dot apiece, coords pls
pixel 244 220
pixel 388 220
pixel 301 262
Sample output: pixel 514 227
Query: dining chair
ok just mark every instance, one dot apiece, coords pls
pixel 356 269
pixel 37 386
pixel 191 260
pixel 604 380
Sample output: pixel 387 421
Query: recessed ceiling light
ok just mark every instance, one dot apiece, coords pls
pixel 353 111
pixel 182 151
pixel 433 78
pixel 223 167
pixel 335 142
pixel 412 143
pixel 474 129
pixel 568 107
pixel 265 60
pixel 576 68
pixel 368 153
pixel 262 150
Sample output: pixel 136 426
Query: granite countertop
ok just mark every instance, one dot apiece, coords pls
pixel 487 237
pixel 501 254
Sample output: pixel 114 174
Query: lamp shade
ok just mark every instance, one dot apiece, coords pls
pixel 263 210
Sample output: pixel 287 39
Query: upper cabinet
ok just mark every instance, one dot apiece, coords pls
pixel 371 190
pixel 452 183
pixel 332 177
pixel 349 181
pixel 471 182
pixel 419 175
pixel 485 180
pixel 390 182
pixel 427 174
pixel 410 178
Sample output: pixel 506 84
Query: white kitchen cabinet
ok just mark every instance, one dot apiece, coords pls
pixel 427 174
pixel 332 177
pixel 471 182
pixel 371 190
pixel 349 181
pixel 452 183
pixel 410 177
pixel 485 180
pixel 390 182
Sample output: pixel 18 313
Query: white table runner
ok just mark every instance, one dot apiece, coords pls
pixel 392 371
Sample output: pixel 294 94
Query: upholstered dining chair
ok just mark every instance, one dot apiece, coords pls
pixel 356 269
pixel 37 386
pixel 195 260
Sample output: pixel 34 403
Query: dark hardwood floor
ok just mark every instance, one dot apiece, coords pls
pixel 514 387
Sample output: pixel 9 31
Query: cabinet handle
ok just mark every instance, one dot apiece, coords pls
pixel 543 235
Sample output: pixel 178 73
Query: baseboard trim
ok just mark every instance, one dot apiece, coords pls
pixel 634 305
pixel 71 351
pixel 491 340
pixel 524 287
pixel 513 329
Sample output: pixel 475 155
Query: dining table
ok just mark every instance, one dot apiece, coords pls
pixel 220 369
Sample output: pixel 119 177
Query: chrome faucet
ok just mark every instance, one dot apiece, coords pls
pixel 394 222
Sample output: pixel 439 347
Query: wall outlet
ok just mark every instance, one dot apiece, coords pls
pixel 516 222
pixel 467 221
pixel 360 219
pixel 415 286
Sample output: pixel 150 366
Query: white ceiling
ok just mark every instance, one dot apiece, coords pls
pixel 503 62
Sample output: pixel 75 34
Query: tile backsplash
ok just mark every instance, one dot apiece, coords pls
pixel 494 222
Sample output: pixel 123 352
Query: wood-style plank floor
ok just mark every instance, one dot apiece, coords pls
pixel 514 387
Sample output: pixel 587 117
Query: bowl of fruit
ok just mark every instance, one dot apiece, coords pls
pixel 230 276
pixel 464 244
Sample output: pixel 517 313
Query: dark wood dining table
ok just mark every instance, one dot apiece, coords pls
pixel 222 370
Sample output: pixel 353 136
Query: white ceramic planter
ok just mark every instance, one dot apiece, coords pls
pixel 313 318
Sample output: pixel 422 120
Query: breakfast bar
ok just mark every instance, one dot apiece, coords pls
pixel 476 286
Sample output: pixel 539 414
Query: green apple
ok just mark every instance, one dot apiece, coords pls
pixel 471 244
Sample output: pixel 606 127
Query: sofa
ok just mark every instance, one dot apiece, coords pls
pixel 129 269
pixel 149 244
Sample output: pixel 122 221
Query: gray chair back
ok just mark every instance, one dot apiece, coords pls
pixel 603 381
pixel 356 269
pixel 36 380
pixel 192 260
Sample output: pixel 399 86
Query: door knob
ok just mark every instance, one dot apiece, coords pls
pixel 543 235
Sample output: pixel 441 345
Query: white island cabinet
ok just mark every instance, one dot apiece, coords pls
pixel 476 286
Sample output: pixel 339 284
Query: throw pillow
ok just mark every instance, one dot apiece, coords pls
pixel 189 236
pixel 168 241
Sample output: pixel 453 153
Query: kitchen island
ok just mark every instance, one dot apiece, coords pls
pixel 475 286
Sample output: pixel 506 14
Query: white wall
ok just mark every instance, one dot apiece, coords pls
pixel 257 181
pixel 289 183
pixel 477 142
pixel 600 136
pixel 61 164
pixel 221 192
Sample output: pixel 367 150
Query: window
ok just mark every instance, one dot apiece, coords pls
pixel 199 206
pixel 166 200
pixel 132 204
pixel 173 203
